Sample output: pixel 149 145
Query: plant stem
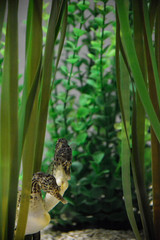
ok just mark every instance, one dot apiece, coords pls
pixel 69 80
pixel 102 72
pixel 154 141
pixel 101 53
pixel 52 108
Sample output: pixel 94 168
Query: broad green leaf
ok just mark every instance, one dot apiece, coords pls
pixel 64 70
pixel 106 34
pixel 77 49
pixel 78 126
pixel 99 21
pixel 62 96
pixel 81 138
pixel 96 45
pixel 92 56
pixel 92 83
pixel 85 99
pixel 59 108
pixel 73 60
pixel 98 157
pixel 84 181
pixel 71 8
pixel 94 74
pixel 78 32
pixel 83 112
pixel 110 53
pixel 83 6
pixel 77 167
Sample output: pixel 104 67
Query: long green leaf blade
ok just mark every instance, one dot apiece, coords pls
pixel 155 144
pixel 150 49
pixel 5 141
pixel 33 67
pixel 13 100
pixel 53 29
pixel 62 38
pixel 9 124
pixel 29 109
pixel 125 152
pixel 118 47
pixel 144 95
pixel 140 113
pixel 28 164
pixel 134 65
pixel 138 124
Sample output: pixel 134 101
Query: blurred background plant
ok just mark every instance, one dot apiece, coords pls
pixel 84 109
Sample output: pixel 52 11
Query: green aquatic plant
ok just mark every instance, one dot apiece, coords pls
pixel 138 70
pixel 22 131
pixel 83 108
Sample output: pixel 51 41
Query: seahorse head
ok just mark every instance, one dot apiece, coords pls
pixel 63 155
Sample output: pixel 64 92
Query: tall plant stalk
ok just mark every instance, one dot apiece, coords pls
pixel 154 140
pixel 22 134
pixel 9 123
pixel 141 57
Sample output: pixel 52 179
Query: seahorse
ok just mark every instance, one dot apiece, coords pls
pixel 55 183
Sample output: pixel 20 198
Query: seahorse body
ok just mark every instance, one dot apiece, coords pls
pixel 54 184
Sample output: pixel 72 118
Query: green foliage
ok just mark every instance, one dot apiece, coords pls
pixel 138 47
pixel 83 108
pixel 23 122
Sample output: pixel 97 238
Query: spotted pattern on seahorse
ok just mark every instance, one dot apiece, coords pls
pixel 46 182
pixel 59 173
pixel 63 156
